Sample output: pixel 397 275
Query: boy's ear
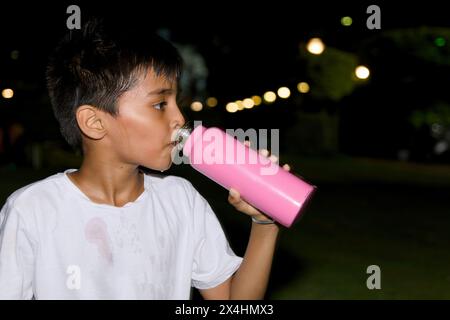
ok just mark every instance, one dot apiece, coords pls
pixel 91 122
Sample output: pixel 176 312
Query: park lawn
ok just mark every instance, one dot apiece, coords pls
pixel 365 212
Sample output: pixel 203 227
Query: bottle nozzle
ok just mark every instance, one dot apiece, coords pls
pixel 182 134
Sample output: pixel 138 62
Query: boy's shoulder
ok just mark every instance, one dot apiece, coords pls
pixel 57 187
pixel 35 190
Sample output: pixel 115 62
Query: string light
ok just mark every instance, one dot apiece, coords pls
pixel 211 102
pixel 269 96
pixel 231 107
pixel 313 46
pixel 248 103
pixel 240 105
pixel 257 100
pixel 284 92
pixel 303 87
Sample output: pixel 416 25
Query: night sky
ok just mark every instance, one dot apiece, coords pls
pixel 248 48
pixel 247 45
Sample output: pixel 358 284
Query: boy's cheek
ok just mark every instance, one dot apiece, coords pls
pixel 157 159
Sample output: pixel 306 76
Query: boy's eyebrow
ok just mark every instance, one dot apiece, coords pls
pixel 161 91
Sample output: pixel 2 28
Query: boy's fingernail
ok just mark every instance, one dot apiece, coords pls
pixel 264 152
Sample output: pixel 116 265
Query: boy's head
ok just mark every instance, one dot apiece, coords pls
pixel 114 94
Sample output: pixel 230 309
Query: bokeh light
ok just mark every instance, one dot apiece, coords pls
pixel 196 106
pixel 362 72
pixel 231 107
pixel 257 100
pixel 284 92
pixel 7 93
pixel 15 54
pixel 346 21
pixel 440 41
pixel 211 102
pixel 315 46
pixel 303 87
pixel 248 103
pixel 240 105
pixel 270 96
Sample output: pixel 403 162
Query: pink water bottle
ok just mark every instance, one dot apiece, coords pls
pixel 230 163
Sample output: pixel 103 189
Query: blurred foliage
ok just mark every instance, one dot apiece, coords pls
pixel 430 44
pixel 331 74
pixel 439 113
pixel 415 57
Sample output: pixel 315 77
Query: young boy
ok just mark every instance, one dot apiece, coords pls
pixel 107 230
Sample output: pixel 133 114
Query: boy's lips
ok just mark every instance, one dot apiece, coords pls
pixel 173 143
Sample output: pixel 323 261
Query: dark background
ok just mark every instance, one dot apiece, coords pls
pixel 249 49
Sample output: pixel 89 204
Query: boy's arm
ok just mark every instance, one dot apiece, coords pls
pixel 16 255
pixel 250 281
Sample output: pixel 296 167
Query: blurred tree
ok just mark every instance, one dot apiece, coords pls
pixel 331 78
pixel 410 72
pixel 429 44
pixel 437 113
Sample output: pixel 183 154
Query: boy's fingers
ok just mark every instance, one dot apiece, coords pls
pixel 240 204
pixel 234 196
pixel 273 158
pixel 235 199
pixel 264 152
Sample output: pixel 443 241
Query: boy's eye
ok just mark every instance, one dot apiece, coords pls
pixel 160 105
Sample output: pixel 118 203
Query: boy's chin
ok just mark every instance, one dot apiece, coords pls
pixel 160 168
pixel 168 166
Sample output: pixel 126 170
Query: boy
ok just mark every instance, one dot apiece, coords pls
pixel 107 230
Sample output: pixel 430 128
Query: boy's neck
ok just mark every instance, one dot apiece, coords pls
pixel 103 183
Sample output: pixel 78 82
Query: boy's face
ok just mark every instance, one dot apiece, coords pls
pixel 148 115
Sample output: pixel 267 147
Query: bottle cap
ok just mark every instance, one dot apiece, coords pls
pixel 182 134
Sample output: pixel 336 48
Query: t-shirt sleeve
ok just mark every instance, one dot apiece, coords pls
pixel 16 255
pixel 214 260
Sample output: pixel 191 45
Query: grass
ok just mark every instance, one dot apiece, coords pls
pixel 365 212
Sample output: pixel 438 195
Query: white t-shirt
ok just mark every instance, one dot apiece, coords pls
pixel 55 243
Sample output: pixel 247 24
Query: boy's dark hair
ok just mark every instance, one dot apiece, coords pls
pixel 96 64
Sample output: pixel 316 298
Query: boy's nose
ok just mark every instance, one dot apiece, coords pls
pixel 179 123
pixel 179 120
